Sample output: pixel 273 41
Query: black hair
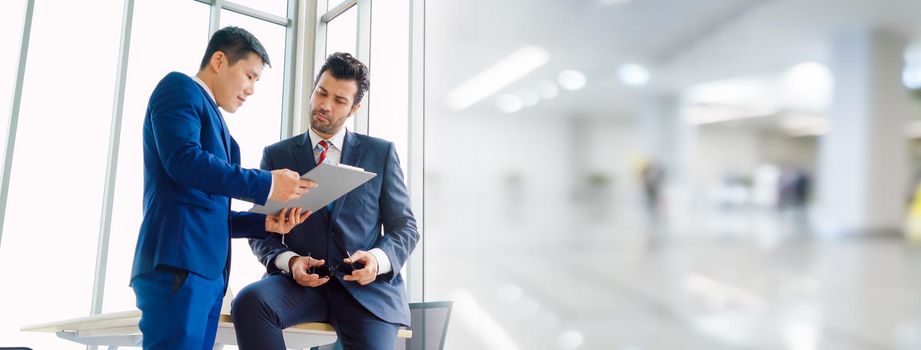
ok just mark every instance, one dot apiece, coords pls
pixel 343 66
pixel 236 43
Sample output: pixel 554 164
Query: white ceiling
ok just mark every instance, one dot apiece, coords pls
pixel 682 42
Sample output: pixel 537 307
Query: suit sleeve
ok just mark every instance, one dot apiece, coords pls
pixel 176 122
pixel 247 225
pixel 400 233
pixel 267 249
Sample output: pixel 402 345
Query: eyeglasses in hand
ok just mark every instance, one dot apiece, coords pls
pixel 330 268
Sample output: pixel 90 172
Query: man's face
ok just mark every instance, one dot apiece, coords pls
pixel 235 82
pixel 331 104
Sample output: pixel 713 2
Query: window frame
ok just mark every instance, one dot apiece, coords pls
pixel 305 24
pixel 15 105
pixel 414 268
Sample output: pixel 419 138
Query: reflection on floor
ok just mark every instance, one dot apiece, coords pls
pixel 733 281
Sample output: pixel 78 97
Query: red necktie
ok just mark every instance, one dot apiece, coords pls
pixel 323 146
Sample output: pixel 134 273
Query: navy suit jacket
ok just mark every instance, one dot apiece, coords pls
pixel 355 222
pixel 191 171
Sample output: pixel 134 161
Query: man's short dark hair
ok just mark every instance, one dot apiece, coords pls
pixel 343 66
pixel 236 43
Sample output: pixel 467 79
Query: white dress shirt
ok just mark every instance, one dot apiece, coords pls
pixel 333 156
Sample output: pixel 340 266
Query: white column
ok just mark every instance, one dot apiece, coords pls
pixel 863 169
pixel 658 124
pixel 665 137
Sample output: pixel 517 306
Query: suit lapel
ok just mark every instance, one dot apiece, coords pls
pixel 351 155
pixel 225 133
pixel 303 155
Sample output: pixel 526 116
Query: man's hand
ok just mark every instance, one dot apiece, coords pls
pixel 366 274
pixel 298 266
pixel 287 185
pixel 285 220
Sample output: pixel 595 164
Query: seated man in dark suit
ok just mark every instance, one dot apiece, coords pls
pixel 339 266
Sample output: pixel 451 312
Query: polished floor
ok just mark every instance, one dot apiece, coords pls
pixel 726 280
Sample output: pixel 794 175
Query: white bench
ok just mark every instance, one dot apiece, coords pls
pixel 121 329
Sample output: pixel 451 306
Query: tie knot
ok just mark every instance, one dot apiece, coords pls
pixel 323 145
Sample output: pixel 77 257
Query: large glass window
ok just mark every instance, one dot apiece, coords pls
pixel 11 24
pixel 255 125
pixel 388 115
pixel 330 4
pixel 388 102
pixel 275 7
pixel 64 133
pixel 58 170
pixel 155 51
pixel 341 32
pixel 341 36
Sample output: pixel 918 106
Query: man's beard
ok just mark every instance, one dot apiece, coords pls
pixel 327 128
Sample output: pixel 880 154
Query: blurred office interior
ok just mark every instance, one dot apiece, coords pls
pixel 654 174
pixel 588 174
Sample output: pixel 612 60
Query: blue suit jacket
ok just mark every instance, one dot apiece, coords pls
pixel 355 222
pixel 191 170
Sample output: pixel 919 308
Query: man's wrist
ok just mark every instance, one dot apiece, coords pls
pixel 283 260
pixel 383 261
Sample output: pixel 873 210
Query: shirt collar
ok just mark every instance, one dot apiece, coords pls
pixel 203 85
pixel 336 140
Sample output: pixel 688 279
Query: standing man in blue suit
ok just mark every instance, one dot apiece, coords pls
pixel 191 171
pixel 371 231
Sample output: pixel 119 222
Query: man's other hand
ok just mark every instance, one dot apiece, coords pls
pixel 286 219
pixel 366 274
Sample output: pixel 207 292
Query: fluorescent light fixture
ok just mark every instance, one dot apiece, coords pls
pixel 571 79
pixel 509 103
pixel 505 72
pixel 547 89
pixel 633 74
